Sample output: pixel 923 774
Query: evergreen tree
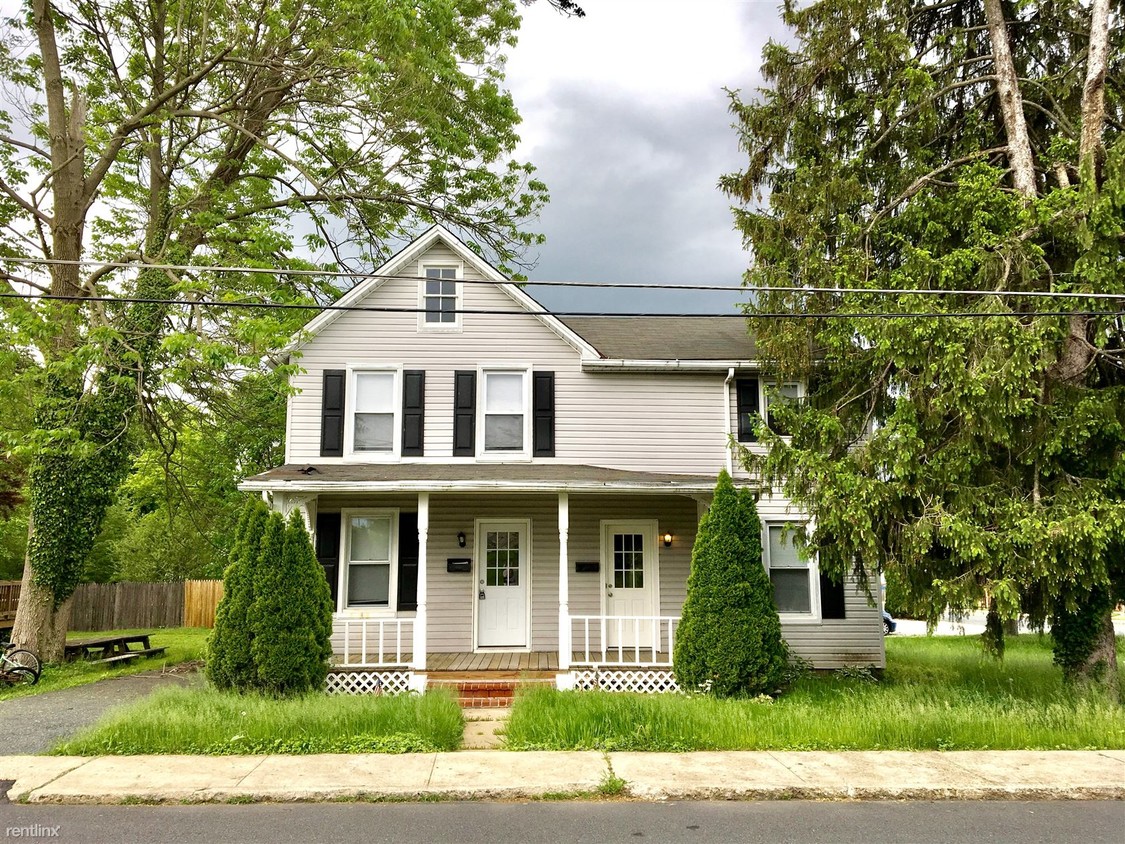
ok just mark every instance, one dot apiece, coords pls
pixel 729 637
pixel 291 618
pixel 230 663
pixel 972 148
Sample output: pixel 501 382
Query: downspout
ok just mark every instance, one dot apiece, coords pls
pixel 726 420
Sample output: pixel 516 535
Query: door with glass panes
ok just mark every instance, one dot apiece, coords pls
pixel 503 564
pixel 630 568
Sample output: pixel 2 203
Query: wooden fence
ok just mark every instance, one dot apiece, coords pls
pixel 116 606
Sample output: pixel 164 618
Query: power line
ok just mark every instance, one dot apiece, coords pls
pixel 210 303
pixel 726 288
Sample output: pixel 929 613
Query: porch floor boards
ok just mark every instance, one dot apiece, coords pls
pixel 524 662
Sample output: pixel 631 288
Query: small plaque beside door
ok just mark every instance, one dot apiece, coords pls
pixel 462 565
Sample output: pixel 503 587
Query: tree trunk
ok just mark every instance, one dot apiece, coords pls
pixel 39 627
pixel 1100 668
pixel 1011 101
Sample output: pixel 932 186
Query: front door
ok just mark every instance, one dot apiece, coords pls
pixel 629 563
pixel 502 587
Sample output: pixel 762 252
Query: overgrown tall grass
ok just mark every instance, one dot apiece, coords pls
pixel 936 694
pixel 207 721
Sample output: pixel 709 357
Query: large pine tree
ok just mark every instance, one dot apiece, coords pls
pixel 958 147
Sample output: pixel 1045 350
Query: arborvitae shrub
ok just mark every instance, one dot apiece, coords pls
pixel 291 617
pixel 729 639
pixel 229 661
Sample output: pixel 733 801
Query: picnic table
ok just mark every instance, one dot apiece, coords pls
pixel 111 648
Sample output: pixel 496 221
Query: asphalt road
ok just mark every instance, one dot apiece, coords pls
pixel 35 723
pixel 555 823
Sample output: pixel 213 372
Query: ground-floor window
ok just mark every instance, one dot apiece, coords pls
pixel 794 580
pixel 369 545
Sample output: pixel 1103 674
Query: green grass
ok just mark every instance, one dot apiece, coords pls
pixel 936 694
pixel 185 644
pixel 207 721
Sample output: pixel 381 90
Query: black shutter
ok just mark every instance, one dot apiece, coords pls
pixel 543 404
pixel 831 597
pixel 464 413
pixel 328 548
pixel 746 390
pixel 408 561
pixel 413 412
pixel 332 413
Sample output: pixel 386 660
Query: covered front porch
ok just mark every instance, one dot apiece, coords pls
pixel 560 569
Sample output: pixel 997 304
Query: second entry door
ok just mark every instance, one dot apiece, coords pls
pixel 629 563
pixel 502 584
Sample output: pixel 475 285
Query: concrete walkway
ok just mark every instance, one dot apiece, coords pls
pixel 1023 775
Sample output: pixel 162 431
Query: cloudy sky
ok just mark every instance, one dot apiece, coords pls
pixel 625 117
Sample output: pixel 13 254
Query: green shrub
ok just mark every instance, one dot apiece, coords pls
pixel 291 617
pixel 230 664
pixel 729 640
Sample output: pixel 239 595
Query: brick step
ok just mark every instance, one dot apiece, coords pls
pixel 485 694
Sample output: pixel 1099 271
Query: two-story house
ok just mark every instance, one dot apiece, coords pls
pixel 491 486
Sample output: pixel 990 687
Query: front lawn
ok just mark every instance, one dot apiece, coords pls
pixel 206 721
pixel 936 694
pixel 185 644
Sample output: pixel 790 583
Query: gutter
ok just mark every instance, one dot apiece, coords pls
pixel 641 365
pixel 726 420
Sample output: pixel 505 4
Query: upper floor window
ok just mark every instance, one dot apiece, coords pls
pixel 374 411
pixel 441 297
pixel 794 580
pixel 754 396
pixel 505 411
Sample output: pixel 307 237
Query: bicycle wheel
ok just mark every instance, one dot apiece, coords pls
pixel 19 674
pixel 25 659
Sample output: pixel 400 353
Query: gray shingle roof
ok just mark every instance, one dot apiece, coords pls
pixel 527 475
pixel 666 338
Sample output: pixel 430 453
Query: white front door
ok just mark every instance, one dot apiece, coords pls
pixel 502 588
pixel 629 563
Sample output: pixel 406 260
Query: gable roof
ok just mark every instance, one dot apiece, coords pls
pixel 670 338
pixel 412 252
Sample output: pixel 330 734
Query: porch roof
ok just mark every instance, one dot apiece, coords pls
pixel 470 477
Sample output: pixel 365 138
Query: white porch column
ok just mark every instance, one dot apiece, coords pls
pixel 564 582
pixel 420 615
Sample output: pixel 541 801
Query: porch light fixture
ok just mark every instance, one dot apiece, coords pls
pixel 460 539
pixel 667 540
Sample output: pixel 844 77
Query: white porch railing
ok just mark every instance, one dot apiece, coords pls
pixel 373 642
pixel 620 640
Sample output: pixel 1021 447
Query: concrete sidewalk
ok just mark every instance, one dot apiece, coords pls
pixel 489 775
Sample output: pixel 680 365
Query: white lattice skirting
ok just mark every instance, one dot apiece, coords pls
pixel 367 682
pixel 646 682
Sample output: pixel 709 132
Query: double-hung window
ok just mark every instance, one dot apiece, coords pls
pixel 785 392
pixel 374 412
pixel 794 580
pixel 505 411
pixel 369 540
pixel 440 297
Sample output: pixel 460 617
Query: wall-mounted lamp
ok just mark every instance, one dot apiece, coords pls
pixel 667 540
pixel 460 539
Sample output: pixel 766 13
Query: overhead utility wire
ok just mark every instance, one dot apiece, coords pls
pixel 881 291
pixel 211 303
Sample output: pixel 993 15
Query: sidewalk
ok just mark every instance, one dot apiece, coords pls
pixel 488 775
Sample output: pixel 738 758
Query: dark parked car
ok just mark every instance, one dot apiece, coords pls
pixel 889 624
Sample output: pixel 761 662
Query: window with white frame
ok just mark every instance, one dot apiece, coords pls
pixel 786 392
pixel 793 579
pixel 370 549
pixel 374 411
pixel 440 297
pixel 505 411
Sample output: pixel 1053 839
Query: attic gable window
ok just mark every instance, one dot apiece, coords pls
pixel 441 297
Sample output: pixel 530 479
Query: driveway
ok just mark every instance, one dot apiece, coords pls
pixel 36 723
pixel 971 625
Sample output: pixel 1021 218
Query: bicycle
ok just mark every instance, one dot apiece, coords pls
pixel 18 665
